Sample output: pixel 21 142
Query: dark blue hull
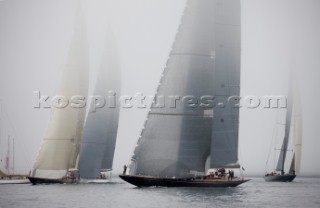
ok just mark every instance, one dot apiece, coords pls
pixel 36 181
pixel 145 181
pixel 279 178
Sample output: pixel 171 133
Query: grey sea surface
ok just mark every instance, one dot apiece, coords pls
pixel 303 192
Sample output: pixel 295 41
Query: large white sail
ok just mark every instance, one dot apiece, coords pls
pixel 176 139
pixel 60 146
pixel 100 132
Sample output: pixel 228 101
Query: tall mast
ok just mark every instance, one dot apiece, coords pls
pixel 0 121
pixel 297 130
pixel 8 156
pixel 284 147
pixel 13 156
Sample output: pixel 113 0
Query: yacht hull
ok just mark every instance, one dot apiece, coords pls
pixel 279 178
pixel 146 181
pixel 36 181
pixel 97 181
pixel 14 181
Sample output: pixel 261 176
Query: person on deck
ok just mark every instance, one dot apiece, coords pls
pixel 124 169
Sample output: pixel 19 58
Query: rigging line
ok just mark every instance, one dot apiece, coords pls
pixel 0 125
pixel 270 147
pixel 16 135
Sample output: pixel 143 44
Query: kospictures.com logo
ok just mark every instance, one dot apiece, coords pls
pixel 139 100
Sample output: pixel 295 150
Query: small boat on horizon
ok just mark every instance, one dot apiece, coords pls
pixel 293 132
pixel 13 178
pixel 8 174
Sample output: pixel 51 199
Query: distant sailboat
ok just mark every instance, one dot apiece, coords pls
pixel 58 156
pixel 8 166
pixel 101 127
pixel 177 142
pixel 293 115
pixel 8 174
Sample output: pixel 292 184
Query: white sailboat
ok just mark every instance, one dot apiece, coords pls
pixel 8 174
pixel 59 152
pixel 293 116
pixel 9 168
pixel 177 142
pixel 101 127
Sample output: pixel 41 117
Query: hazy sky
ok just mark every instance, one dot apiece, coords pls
pixel 34 40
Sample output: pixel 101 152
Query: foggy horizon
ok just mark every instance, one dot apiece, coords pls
pixel 277 37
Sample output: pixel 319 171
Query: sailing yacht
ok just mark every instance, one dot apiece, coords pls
pixel 8 174
pixel 178 141
pixel 101 127
pixel 293 115
pixel 57 160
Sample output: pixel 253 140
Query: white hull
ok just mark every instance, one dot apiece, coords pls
pixel 17 181
pixel 98 181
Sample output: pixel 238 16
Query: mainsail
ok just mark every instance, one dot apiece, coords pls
pixel 224 144
pixel 293 119
pixel 297 131
pixel 60 145
pixel 100 132
pixel 205 61
pixel 284 147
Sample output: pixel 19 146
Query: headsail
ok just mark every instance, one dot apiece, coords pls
pixel 100 132
pixel 227 47
pixel 176 140
pixel 292 166
pixel 297 130
pixel 60 145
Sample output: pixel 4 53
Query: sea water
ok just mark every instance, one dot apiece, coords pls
pixel 302 192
